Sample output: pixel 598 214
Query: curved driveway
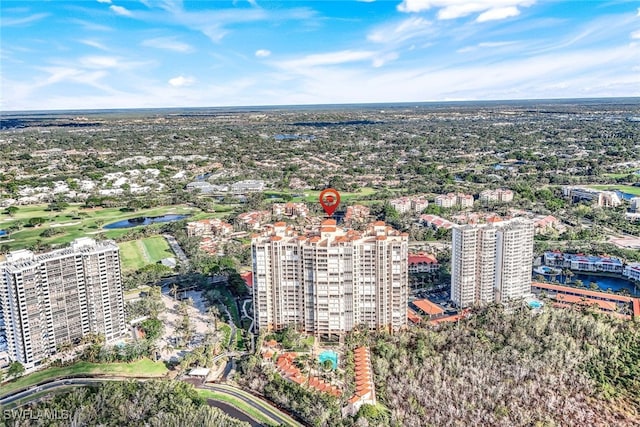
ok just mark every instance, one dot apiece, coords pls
pixel 254 402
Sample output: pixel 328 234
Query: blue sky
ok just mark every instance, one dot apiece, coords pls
pixel 169 53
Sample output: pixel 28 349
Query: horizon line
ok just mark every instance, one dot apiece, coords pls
pixel 313 106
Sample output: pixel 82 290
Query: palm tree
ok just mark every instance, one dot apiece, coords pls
pixel 214 312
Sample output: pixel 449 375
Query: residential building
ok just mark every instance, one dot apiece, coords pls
pixel 253 220
pixel 450 200
pixel 635 204
pixel 418 204
pixel 581 262
pixel 356 214
pixel 401 205
pixel 409 204
pixel 365 387
pixel 329 279
pixel 565 296
pixel 423 263
pixel 446 200
pixel 247 186
pixel 601 198
pixel 204 187
pixel 58 297
pixel 208 228
pixel 436 222
pixel 545 224
pixel 290 209
pixel 499 195
pixel 632 271
pixel 491 262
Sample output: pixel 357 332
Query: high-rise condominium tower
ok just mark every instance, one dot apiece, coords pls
pixel 330 280
pixel 58 297
pixel 491 262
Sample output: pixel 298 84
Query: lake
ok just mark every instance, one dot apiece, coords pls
pixel 145 220
pixel 614 283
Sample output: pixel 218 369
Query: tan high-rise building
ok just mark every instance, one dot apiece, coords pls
pixel 330 280
pixel 491 262
pixel 58 297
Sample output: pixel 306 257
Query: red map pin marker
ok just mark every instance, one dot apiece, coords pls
pixel 329 200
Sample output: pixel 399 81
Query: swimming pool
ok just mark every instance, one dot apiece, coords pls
pixel 329 355
pixel 535 304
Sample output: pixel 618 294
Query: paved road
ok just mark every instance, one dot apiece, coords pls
pixel 53 385
pixel 256 403
pixel 175 247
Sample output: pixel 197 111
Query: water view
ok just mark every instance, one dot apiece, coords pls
pixel 604 283
pixel 146 220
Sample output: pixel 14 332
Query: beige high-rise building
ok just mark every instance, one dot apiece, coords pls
pixel 330 280
pixel 491 262
pixel 57 297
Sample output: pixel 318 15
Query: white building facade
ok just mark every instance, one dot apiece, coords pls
pixel 491 262
pixel 58 297
pixel 330 280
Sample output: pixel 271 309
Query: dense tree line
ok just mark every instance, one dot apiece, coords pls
pixel 132 403
pixel 495 368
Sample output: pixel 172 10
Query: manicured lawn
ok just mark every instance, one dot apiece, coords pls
pixel 131 256
pixel 140 368
pixel 237 403
pixel 75 221
pixel 624 188
pixel 157 248
pixel 312 195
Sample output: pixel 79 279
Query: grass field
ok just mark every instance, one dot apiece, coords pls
pixel 141 368
pixel 624 188
pixel 237 403
pixel 135 254
pixel 76 221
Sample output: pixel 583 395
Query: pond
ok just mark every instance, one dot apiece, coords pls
pixel 604 283
pixel 625 196
pixel 144 220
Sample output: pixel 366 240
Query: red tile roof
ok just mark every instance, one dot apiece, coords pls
pixel 428 307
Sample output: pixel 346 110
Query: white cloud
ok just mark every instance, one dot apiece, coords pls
pixel 485 45
pixel 381 60
pixel 104 1
pixel 90 26
pixel 452 9
pixel 498 13
pixel 330 58
pixel 214 23
pixel 99 62
pixel 168 43
pixel 635 35
pixel 11 22
pixel 95 44
pixel 263 53
pixel 397 33
pixel 181 81
pixel 119 10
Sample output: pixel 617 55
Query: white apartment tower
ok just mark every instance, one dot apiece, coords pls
pixel 58 297
pixel 330 280
pixel 491 262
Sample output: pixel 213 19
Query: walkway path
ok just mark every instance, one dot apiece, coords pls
pixel 175 247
